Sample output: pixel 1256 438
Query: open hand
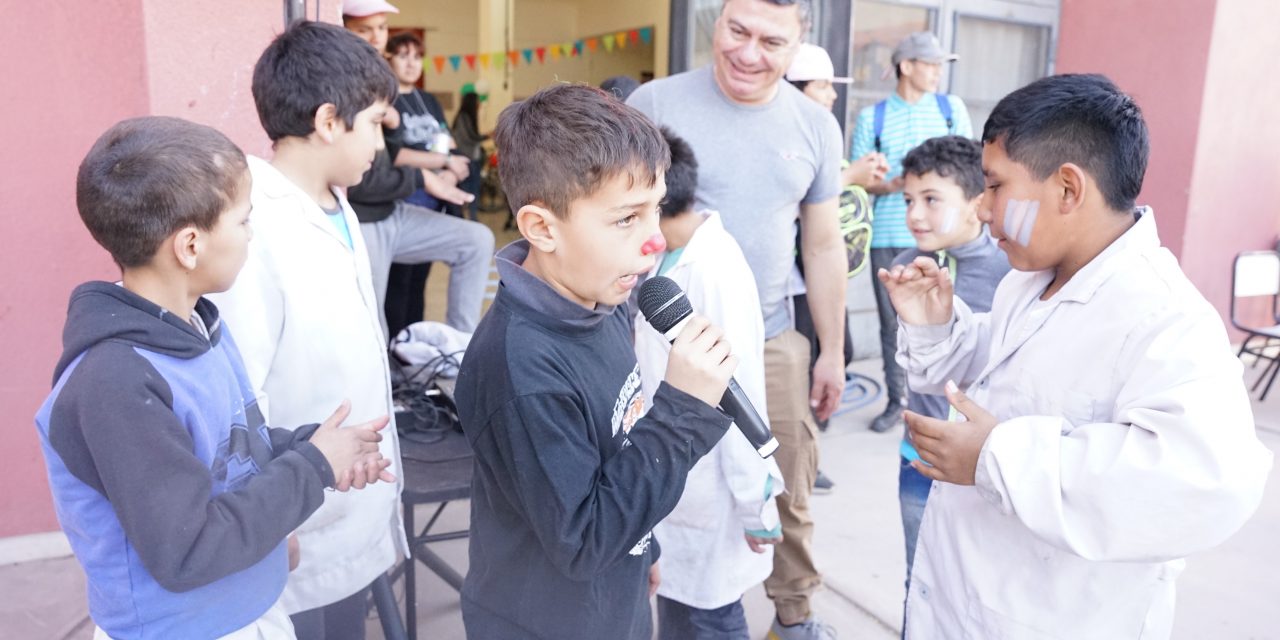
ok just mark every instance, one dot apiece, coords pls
pixel 345 448
pixel 445 188
pixel 951 449
pixel 921 291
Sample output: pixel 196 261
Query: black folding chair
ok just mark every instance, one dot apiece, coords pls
pixel 1256 275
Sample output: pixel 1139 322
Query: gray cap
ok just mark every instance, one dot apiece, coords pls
pixel 921 45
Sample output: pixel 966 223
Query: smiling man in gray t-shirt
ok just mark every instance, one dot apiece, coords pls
pixel 767 155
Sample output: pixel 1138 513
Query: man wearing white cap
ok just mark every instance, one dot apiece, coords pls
pixel 913 113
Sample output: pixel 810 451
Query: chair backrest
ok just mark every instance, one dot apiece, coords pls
pixel 1255 274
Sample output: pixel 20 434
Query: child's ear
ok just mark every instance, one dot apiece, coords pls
pixel 1071 184
pixel 538 225
pixel 975 204
pixel 185 244
pixel 326 122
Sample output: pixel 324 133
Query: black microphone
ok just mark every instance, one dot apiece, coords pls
pixel 668 310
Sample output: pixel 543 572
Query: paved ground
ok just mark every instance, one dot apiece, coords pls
pixel 1230 592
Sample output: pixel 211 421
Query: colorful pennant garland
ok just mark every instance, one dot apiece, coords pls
pixel 576 48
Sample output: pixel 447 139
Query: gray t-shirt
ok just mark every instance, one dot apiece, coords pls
pixel 756 165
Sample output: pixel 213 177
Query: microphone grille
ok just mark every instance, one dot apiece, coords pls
pixel 663 303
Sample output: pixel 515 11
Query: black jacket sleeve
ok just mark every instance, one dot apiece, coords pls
pixel 114 427
pixel 384 182
pixel 588 516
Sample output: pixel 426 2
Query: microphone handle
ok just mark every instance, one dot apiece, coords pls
pixel 736 404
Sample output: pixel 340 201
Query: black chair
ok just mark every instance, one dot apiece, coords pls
pixel 436 471
pixel 1256 274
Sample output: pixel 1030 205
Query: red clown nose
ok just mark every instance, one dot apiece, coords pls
pixel 655 244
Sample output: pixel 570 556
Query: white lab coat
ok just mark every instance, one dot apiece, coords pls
pixel 1126 442
pixel 305 318
pixel 705 560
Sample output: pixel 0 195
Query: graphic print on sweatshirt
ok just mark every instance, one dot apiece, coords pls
pixel 240 456
pixel 629 406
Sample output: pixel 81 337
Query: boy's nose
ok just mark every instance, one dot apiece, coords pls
pixel 655 244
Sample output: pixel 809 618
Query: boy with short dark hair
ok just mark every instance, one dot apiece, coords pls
pixel 571 472
pixel 175 495
pixel 1106 432
pixel 717 542
pixel 304 307
pixel 942 188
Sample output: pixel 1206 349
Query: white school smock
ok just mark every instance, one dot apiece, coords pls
pixel 705 560
pixel 1126 442
pixel 305 317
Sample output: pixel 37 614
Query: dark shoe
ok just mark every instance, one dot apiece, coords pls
pixel 822 484
pixel 891 417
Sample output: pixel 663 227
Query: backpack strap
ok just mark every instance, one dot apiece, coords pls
pixel 944 107
pixel 879 122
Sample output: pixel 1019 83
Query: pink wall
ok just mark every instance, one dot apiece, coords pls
pixel 1197 71
pixel 1163 69
pixel 1235 188
pixel 73 70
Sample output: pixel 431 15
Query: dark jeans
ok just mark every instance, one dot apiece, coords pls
pixel 913 494
pixel 895 379
pixel 342 620
pixel 804 324
pixel 406 295
pixel 678 621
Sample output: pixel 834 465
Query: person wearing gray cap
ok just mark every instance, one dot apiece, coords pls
pixel 913 113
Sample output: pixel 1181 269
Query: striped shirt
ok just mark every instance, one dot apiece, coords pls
pixel 905 126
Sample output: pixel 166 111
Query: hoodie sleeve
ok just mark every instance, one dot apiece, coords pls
pixel 384 182
pixel 114 428
pixel 591 515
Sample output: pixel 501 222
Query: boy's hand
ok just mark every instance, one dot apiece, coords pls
pixel 700 363
pixel 921 291
pixel 951 447
pixel 459 166
pixel 344 448
pixel 444 189
pixel 655 579
pixel 758 544
pixel 367 471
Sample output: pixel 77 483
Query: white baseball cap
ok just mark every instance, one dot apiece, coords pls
pixel 362 8
pixel 813 63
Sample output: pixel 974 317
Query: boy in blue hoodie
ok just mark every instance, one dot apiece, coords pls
pixel 176 497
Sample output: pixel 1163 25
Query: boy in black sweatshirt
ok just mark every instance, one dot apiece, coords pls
pixel 571 471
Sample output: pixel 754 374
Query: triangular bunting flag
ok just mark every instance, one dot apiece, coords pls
pixel 439 62
pixel 621 38
pixel 634 36
pixel 471 61
pixel 578 48
pixel 593 44
pixel 646 34
pixel 528 56
pixel 454 61
pixel 567 48
pixel 608 42
pixel 542 54
pixel 484 61
pixel 499 60
pixel 514 57
pixel 555 52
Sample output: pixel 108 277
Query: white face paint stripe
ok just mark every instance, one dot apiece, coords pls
pixel 949 220
pixel 1028 223
pixel 1013 212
